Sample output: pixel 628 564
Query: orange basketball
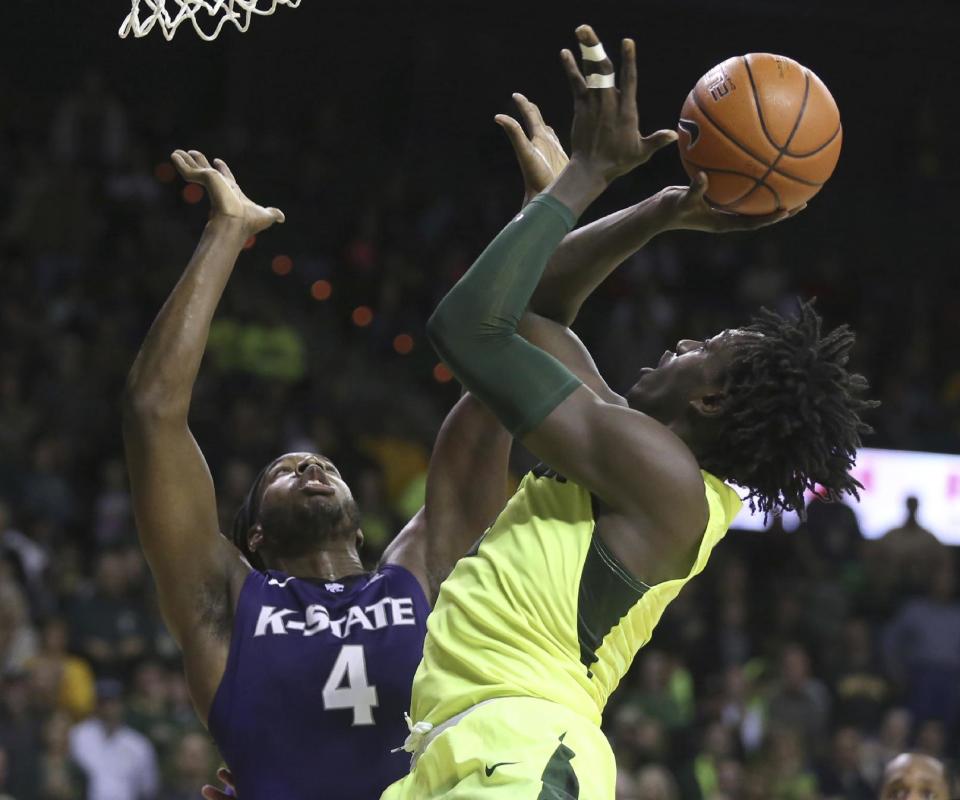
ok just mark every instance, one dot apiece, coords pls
pixel 764 129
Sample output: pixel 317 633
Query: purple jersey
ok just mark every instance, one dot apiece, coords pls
pixel 317 682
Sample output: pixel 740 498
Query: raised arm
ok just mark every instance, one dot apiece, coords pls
pixel 632 463
pixel 197 571
pixel 588 255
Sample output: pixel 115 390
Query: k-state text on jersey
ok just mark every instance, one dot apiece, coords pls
pixel 316 618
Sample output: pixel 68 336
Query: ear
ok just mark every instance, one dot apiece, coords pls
pixel 709 405
pixel 255 538
pixel 359 540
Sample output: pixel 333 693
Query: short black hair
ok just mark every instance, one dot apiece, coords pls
pixel 791 419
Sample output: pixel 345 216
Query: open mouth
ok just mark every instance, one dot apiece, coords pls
pixel 317 487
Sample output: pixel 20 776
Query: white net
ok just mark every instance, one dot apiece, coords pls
pixel 207 16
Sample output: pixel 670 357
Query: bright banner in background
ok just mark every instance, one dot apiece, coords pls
pixel 889 477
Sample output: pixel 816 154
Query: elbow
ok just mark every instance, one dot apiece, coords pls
pixel 146 405
pixel 439 330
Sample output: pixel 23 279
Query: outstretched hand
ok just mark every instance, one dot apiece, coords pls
pixel 686 208
pixel 538 149
pixel 225 777
pixel 606 134
pixel 227 200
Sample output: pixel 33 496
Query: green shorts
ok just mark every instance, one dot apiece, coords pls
pixel 520 748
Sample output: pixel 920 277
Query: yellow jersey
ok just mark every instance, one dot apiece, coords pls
pixel 542 608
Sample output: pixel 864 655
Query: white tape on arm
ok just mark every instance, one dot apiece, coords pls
pixel 592 53
pixel 601 81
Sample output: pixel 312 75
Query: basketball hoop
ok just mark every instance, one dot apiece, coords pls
pixel 212 14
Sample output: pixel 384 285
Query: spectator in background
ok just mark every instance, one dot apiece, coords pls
pixel 702 778
pixel 119 763
pixel 859 686
pixel 893 738
pixel 18 639
pixel 911 776
pixel 149 707
pixel 194 762
pixel 47 492
pixel 656 783
pixel 797 700
pixel 113 520
pixel 742 707
pixel 931 738
pixel 20 735
pixel 664 692
pixel 840 776
pixel 638 739
pixel 109 629
pixel 626 788
pixel 922 649
pixel 910 553
pixel 786 763
pixel 69 677
pixel 32 559
pixel 60 777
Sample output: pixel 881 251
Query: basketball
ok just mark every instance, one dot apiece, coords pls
pixel 765 130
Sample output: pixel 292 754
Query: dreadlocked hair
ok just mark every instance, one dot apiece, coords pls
pixel 791 421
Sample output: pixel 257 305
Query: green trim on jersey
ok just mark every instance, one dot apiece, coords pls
pixel 607 593
pixel 559 780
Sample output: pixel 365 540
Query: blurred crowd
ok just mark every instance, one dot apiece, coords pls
pixel 792 670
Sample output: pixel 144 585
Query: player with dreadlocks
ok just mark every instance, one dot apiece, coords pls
pixel 531 634
pixel 298 659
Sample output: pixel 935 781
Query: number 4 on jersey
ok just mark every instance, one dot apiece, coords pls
pixel 347 685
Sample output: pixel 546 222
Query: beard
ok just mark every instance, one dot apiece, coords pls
pixel 296 529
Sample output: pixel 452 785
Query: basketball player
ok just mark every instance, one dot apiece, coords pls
pixel 912 776
pixel 298 660
pixel 304 658
pixel 531 634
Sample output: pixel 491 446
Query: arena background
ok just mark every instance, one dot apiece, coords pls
pixel 791 670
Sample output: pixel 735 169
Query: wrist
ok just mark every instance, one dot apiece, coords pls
pixel 229 227
pixel 665 209
pixel 579 185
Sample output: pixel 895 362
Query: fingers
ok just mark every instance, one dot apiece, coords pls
pixel 596 63
pixel 752 223
pixel 660 139
pixel 515 133
pixel 185 164
pixel 226 777
pixel 200 159
pixel 223 169
pixel 628 77
pixel 699 185
pixel 212 793
pixel 577 83
pixel 531 114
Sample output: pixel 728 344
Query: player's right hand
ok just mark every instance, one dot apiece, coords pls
pixel 606 136
pixel 538 149
pixel 687 208
pixel 227 200
pixel 225 777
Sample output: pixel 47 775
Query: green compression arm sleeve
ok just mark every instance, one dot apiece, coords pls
pixel 474 328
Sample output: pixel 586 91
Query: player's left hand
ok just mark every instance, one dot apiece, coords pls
pixel 606 137
pixel 687 208
pixel 213 793
pixel 538 149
